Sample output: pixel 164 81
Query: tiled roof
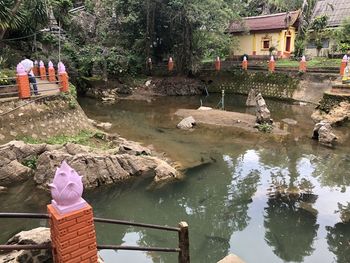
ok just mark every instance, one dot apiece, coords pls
pixel 336 10
pixel 265 22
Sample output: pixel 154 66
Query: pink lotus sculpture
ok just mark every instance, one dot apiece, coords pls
pixel 61 68
pixel 21 70
pixel 67 189
pixel 35 62
pixel 41 63
pixel 50 64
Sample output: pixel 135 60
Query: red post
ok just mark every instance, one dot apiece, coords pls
pixel 302 64
pixel 272 64
pixel 217 64
pixel 63 77
pixel 245 63
pixel 64 83
pixel 42 70
pixel 170 64
pixel 52 77
pixel 36 68
pixel 22 82
pixel 343 65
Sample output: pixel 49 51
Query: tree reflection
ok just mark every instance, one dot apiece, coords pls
pixel 338 239
pixel 290 226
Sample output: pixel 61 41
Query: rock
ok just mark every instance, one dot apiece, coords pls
pixel 13 171
pixel 323 133
pixel 262 112
pixel 204 108
pixel 187 123
pixel 290 121
pixel 251 101
pixel 164 172
pixel 133 148
pixel 37 236
pixel 148 83
pixel 2 189
pixel 104 125
pixel 231 259
pixel 336 115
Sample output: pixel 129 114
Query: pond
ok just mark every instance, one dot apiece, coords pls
pixel 262 197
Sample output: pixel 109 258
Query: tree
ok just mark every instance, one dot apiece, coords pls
pixel 10 18
pixel 318 26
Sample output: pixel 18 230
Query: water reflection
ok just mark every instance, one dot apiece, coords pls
pixel 338 239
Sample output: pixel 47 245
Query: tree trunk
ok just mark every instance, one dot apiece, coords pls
pixel 13 13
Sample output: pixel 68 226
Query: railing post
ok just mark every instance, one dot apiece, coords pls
pixel 42 70
pixel 72 227
pixel 52 77
pixel 184 243
pixel 63 78
pixel 22 82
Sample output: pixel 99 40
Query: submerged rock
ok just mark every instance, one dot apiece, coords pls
pixel 323 132
pixel 251 101
pixel 187 123
pixel 263 114
pixel 290 121
pixel 104 125
pixel 231 259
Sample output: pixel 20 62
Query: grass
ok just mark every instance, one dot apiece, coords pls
pixel 313 63
pixel 87 138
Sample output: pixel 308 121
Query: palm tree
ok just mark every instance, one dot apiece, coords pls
pixel 10 18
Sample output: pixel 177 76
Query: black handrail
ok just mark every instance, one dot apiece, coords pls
pixel 182 231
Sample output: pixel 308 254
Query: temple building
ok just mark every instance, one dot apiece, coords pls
pixel 336 11
pixel 259 36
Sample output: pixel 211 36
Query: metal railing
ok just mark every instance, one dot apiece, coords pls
pixel 182 230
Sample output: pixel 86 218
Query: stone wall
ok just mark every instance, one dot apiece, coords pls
pixel 275 85
pixel 294 86
pixel 43 118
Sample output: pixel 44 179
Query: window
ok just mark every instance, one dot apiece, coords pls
pixel 266 44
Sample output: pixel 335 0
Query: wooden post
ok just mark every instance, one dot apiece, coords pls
pixel 184 243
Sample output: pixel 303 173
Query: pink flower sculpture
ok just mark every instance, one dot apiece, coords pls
pixel 50 64
pixel 61 68
pixel 303 59
pixel 41 63
pixel 66 190
pixel 272 58
pixel 35 62
pixel 21 70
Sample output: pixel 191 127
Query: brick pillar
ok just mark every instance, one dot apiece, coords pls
pixel 64 83
pixel 302 64
pixel 42 70
pixel 72 227
pixel 22 82
pixel 272 65
pixel 36 68
pixel 245 63
pixel 217 64
pixel 52 77
pixel 343 65
pixel 73 236
pixel 170 64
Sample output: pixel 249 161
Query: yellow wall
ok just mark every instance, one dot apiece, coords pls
pixel 253 42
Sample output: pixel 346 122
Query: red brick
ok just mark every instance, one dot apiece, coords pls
pixel 66 237
pixel 79 252
pixel 86 230
pixel 85 261
pixel 78 239
pixel 65 257
pixel 74 260
pixel 94 258
pixel 92 246
pixel 77 226
pixel 87 242
pixel 68 250
pixel 92 234
pixel 84 218
pixel 66 224
pixel 89 254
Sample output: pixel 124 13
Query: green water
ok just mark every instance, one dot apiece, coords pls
pixel 234 203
